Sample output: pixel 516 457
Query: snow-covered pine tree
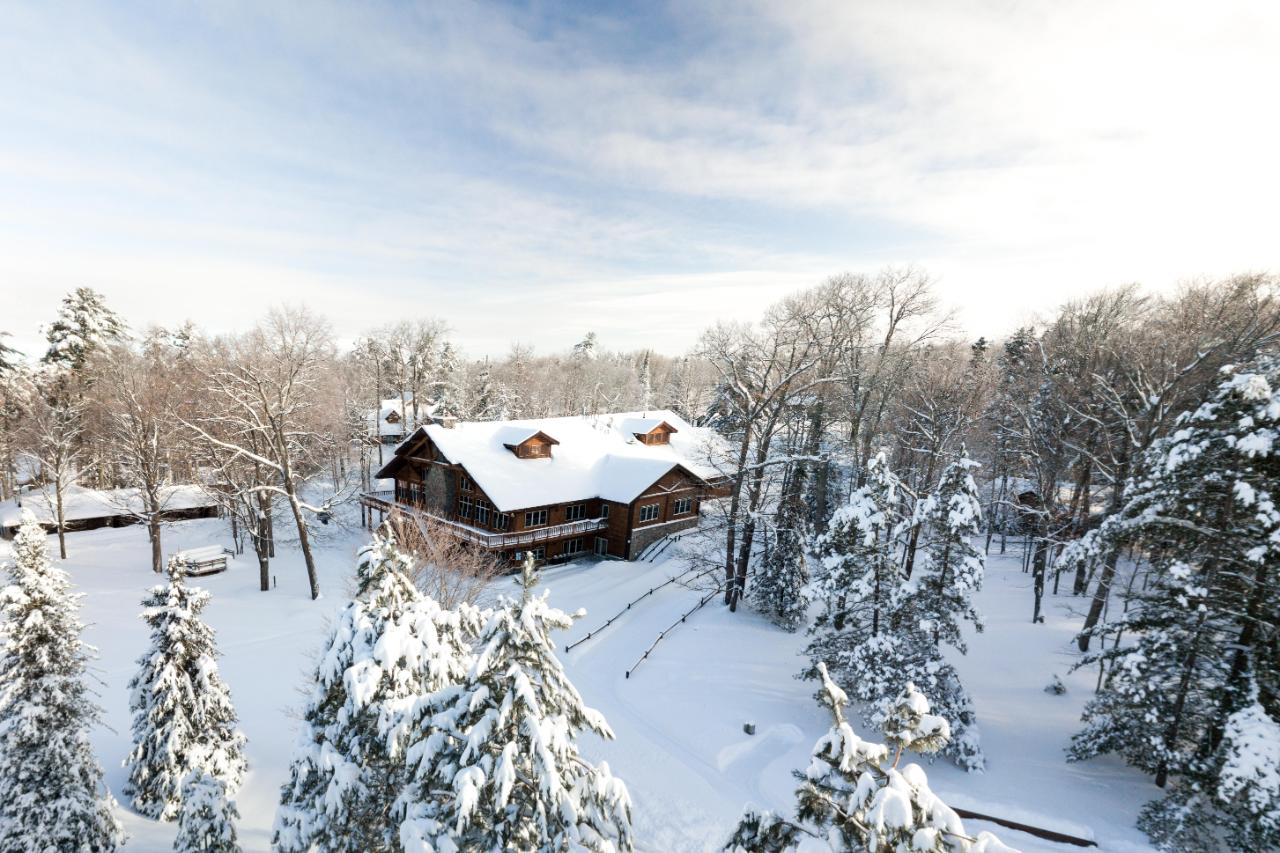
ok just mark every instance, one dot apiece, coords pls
pixel 51 792
pixel 856 797
pixel 1199 676
pixel 645 377
pixel 183 719
pixel 388 646
pixel 496 762
pixel 206 823
pixel 876 630
pixel 779 587
pixel 946 581
pixel 856 574
pixel 84 324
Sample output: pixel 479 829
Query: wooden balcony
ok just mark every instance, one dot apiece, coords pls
pixel 385 502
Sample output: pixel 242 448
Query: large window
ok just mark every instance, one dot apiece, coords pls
pixel 465 507
pixel 575 512
pixel 602 546
pixel 502 520
pixel 573 546
pixel 683 505
pixel 649 512
pixel 483 509
pixel 535 518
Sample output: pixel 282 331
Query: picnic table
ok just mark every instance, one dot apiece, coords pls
pixel 208 560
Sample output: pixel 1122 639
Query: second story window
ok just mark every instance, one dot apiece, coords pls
pixel 482 512
pixel 683 505
pixel 502 520
pixel 535 518
pixel 649 512
pixel 575 512
pixel 465 506
pixel 464 482
pixel 604 510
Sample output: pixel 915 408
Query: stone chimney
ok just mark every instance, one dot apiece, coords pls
pixel 448 422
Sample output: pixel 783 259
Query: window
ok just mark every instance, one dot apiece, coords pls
pixel 464 482
pixel 602 546
pixel 502 520
pixel 535 518
pixel 604 510
pixel 573 546
pixel 649 512
pixel 683 505
pixel 465 507
pixel 538 554
pixel 535 451
pixel 575 512
pixel 482 512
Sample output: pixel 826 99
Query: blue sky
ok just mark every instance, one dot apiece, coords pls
pixel 532 171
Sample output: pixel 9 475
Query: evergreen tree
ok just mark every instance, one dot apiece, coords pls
pixel 206 823
pixel 485 402
pixel 779 588
pixel 1198 683
pixel 849 798
pixel 448 397
pixel 496 761
pixel 183 719
pixel 646 383
pixel 388 646
pixel 51 792
pixel 880 631
pixel 8 356
pixel 945 582
pixel 84 324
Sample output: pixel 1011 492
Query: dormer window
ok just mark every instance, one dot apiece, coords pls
pixel 653 433
pixel 535 446
pixel 393 417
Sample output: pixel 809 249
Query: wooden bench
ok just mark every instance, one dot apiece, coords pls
pixel 204 561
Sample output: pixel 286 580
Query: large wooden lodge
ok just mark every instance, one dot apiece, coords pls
pixel 610 485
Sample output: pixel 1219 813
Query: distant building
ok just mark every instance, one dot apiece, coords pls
pixel 391 422
pixel 558 487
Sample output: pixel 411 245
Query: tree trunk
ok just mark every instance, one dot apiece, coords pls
pixel 1103 589
pixel 62 525
pixel 153 533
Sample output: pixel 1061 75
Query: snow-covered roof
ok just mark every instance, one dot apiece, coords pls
pixel 79 503
pixel 644 425
pixel 597 456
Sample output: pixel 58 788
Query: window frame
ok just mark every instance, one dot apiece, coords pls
pixel 687 503
pixel 575 512
pixel 643 509
pixel 534 513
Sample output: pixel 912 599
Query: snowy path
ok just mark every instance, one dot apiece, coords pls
pixel 678 720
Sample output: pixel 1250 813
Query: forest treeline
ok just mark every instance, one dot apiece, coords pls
pixel 853 412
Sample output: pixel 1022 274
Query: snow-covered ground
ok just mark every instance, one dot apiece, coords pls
pixel 678 719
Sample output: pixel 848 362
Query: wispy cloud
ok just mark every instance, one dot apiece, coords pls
pixel 637 172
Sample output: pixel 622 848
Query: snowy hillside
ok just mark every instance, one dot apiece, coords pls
pixel 678 719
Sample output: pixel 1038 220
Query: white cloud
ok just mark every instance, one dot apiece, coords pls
pixel 378 160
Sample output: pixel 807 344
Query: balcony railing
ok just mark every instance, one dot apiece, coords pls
pixel 385 501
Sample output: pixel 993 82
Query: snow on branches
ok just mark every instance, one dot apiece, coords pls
pixel 855 799
pixel 51 792
pixel 183 719
pixel 496 763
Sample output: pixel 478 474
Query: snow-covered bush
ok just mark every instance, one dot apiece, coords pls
pixel 855 796
pixel 51 792
pixel 183 719
pixel 778 590
pixel 387 647
pixel 495 758
pixel 206 822
pixel 1194 696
